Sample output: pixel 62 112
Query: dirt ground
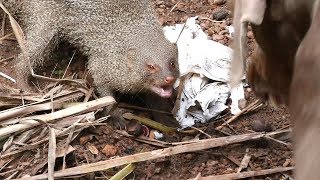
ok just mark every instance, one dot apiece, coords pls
pixel 265 153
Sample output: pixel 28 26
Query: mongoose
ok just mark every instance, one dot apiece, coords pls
pixel 126 49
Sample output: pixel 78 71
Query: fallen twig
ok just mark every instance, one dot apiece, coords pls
pixel 5 36
pixel 145 139
pixel 206 134
pixel 3 24
pixel 81 108
pixel 45 104
pixel 244 110
pixel 179 92
pixel 35 145
pixel 7 77
pixel 51 153
pixel 145 156
pixel 245 162
pixel 246 174
pixel 6 59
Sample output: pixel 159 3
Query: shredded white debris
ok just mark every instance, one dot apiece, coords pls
pixel 206 91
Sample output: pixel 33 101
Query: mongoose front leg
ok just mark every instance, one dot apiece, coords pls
pixel 114 111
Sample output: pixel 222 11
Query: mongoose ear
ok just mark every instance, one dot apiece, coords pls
pixel 131 53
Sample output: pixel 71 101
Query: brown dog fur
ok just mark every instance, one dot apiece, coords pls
pixel 285 64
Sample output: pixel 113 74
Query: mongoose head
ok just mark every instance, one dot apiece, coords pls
pixel 158 67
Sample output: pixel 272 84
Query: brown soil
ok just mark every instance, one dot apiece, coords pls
pixel 265 153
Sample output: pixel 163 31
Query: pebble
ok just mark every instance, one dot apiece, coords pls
pixel 261 125
pixel 220 14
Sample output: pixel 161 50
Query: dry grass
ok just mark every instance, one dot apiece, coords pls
pixel 44 124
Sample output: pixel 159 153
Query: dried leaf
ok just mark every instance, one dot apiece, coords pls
pixel 8 143
pixel 60 152
pixel 109 150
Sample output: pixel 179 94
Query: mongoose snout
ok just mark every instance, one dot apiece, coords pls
pixel 163 78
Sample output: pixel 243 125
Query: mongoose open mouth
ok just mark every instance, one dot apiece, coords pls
pixel 162 91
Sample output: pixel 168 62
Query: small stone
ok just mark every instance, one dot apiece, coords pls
pixel 189 156
pixel 220 14
pixel 261 125
pixel 129 150
pixel 219 2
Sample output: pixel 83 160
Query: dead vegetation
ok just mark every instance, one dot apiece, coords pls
pixel 39 132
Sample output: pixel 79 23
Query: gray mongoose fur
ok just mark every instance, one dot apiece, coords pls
pixel 124 43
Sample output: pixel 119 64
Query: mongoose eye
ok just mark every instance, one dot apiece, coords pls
pixel 172 65
pixel 151 67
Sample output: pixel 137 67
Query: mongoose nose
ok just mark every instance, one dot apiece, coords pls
pixel 169 80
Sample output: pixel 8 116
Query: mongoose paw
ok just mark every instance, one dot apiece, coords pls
pixel 116 118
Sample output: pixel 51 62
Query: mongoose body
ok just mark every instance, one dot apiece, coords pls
pixel 126 49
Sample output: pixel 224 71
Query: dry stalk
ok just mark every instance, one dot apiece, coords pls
pixel 244 110
pixel 23 110
pixel 5 37
pixel 7 77
pixel 51 153
pixel 145 156
pixel 146 140
pixel 6 59
pixel 3 23
pixel 30 122
pixel 247 174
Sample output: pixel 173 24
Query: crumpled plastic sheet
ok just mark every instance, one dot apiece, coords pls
pixel 206 91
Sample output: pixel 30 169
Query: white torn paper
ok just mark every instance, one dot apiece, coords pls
pixel 205 93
